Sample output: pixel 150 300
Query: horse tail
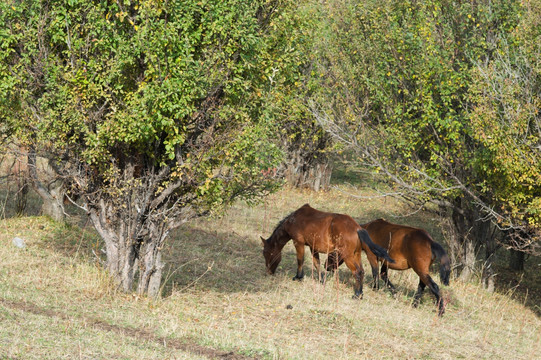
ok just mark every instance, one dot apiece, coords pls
pixel 375 248
pixel 445 263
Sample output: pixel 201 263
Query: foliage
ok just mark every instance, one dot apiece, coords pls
pixel 306 145
pixel 505 120
pixel 123 76
pixel 404 86
pixel 152 111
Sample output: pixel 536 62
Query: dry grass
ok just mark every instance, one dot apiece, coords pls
pixel 56 303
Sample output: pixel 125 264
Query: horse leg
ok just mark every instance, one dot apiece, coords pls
pixel 332 263
pixel 375 277
pixel 419 293
pixel 316 263
pixel 385 277
pixel 373 260
pixel 358 272
pixel 425 279
pixel 300 261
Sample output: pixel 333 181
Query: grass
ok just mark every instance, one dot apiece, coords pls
pixel 56 302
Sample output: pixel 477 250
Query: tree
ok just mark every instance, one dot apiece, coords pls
pixel 399 79
pixel 14 172
pixel 306 145
pixel 506 121
pixel 152 112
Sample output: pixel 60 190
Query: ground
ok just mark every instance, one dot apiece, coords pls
pixel 57 302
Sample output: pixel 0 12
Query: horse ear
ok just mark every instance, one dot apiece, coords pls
pixel 263 240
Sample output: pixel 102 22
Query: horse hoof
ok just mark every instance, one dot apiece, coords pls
pixel 357 297
pixel 295 278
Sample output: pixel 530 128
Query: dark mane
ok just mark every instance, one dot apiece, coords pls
pixel 277 232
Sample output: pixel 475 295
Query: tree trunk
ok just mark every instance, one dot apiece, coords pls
pixel 20 173
pixel 462 247
pixel 134 223
pixel 467 260
pixel 53 201
pixel 300 174
pixel 122 253
pixel 134 237
pixel 471 235
pixel 488 275
pixel 150 265
pixel 125 257
pixel 22 194
pixel 48 186
pixel 150 271
pixel 516 260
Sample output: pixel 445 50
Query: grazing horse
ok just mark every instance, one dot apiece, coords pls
pixel 323 232
pixel 410 248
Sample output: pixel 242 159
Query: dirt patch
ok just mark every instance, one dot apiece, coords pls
pixel 186 344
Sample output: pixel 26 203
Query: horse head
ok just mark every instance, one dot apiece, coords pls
pixel 272 254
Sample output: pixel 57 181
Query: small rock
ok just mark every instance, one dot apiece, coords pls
pixel 17 241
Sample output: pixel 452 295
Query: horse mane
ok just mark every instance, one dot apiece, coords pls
pixel 278 230
pixel 379 220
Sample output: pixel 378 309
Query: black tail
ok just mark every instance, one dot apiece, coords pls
pixel 445 263
pixel 375 248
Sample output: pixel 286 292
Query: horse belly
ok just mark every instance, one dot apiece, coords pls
pixel 323 247
pixel 401 263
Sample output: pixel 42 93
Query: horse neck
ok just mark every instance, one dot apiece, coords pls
pixel 279 239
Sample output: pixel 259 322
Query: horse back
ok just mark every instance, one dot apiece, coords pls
pixel 323 231
pixel 307 220
pixel 404 243
pixel 344 229
pixel 385 233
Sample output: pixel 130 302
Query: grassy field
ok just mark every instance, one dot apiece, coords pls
pixel 56 302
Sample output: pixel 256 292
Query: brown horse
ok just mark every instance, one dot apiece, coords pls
pixel 323 232
pixel 411 248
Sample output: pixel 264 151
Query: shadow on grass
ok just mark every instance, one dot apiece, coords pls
pixel 210 260
pixel 226 262
pixel 230 263
pixel 205 257
pixel 523 287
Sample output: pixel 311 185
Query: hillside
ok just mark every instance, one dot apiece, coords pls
pixel 56 302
